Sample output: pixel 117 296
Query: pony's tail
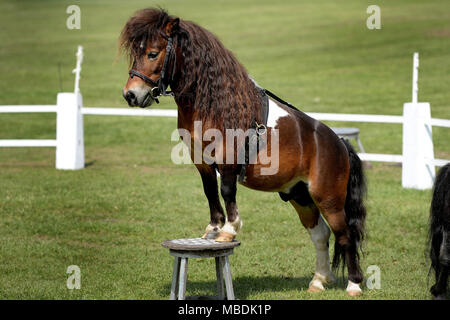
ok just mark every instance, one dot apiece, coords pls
pixel 439 224
pixel 355 210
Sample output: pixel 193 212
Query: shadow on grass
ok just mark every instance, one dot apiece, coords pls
pixel 89 163
pixel 245 287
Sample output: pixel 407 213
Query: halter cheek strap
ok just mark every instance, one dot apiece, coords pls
pixel 160 85
pixel 133 73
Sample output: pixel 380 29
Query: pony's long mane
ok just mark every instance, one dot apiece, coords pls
pixel 222 91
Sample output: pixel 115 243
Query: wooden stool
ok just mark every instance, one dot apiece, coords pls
pixel 349 133
pixel 183 249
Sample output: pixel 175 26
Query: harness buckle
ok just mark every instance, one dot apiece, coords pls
pixel 261 129
pixel 155 92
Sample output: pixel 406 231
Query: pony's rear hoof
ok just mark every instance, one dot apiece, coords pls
pixel 225 237
pixel 316 284
pixel 314 289
pixel 353 289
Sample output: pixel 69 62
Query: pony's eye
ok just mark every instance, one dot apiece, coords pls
pixel 152 55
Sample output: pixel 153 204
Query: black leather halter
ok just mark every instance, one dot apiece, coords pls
pixel 160 86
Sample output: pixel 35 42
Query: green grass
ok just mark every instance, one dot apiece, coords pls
pixel 111 217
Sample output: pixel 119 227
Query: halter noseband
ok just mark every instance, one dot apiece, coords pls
pixel 160 85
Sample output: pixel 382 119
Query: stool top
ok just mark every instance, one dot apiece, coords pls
pixel 345 131
pixel 198 244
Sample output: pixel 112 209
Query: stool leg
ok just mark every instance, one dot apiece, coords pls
pixel 175 278
pixel 360 145
pixel 183 279
pixel 228 280
pixel 219 274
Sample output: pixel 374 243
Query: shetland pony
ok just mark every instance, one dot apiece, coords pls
pixel 318 173
pixel 439 232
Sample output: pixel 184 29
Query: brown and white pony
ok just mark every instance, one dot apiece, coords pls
pixel 318 173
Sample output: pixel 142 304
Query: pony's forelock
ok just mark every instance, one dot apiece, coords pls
pixel 145 25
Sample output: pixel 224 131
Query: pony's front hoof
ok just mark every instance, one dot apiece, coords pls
pixel 211 235
pixel 211 232
pixel 354 293
pixel 225 237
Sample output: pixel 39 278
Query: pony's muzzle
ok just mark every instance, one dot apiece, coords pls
pixel 137 97
pixel 130 97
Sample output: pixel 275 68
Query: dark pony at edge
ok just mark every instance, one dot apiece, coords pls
pixel 439 232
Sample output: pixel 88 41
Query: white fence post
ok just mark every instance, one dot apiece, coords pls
pixel 69 132
pixel 418 170
pixel 77 69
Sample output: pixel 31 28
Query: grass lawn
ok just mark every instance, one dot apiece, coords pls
pixel 110 218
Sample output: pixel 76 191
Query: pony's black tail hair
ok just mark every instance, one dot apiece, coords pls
pixel 355 211
pixel 439 225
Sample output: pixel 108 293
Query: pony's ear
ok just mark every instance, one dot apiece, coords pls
pixel 172 26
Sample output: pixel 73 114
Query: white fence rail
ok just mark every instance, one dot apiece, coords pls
pixel 70 148
pixel 418 162
pixel 28 143
pixel 28 109
pixel 130 112
pixel 356 117
pixel 24 142
pixel 440 122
